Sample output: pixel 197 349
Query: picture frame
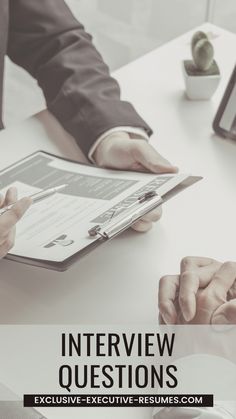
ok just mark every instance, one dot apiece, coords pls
pixel 224 123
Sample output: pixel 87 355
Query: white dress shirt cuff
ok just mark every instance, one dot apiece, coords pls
pixel 133 133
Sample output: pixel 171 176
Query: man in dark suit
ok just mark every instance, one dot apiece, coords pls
pixel 44 38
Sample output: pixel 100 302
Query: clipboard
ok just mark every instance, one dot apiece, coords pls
pixel 118 223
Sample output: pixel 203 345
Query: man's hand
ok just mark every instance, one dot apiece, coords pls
pixel 204 292
pixel 119 151
pixel 10 218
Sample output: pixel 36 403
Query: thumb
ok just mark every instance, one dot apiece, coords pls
pixel 225 314
pixel 150 159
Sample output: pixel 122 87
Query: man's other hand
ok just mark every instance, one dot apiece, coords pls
pixel 119 151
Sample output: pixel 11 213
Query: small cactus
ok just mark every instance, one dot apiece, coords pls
pixel 198 36
pixel 201 74
pixel 202 51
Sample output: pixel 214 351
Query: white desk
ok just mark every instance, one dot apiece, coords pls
pixel 118 283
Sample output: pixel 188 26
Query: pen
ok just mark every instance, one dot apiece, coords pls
pixel 37 197
pixel 143 199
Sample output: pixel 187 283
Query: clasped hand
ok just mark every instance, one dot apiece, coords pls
pixel 204 292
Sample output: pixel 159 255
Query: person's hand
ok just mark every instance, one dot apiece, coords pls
pixel 10 218
pixel 204 292
pixel 119 151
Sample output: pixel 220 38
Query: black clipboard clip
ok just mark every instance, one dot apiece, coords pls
pixel 144 204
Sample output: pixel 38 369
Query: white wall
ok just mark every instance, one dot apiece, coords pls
pixel 224 14
pixel 123 30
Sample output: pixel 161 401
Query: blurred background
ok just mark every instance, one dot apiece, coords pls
pixel 123 31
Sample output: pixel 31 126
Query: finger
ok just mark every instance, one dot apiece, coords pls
pixel 168 292
pixel 222 281
pixel 11 217
pixel 232 292
pixel 153 216
pixel 161 320
pixel 150 159
pixel 8 244
pixel 3 238
pixel 142 226
pixel 215 294
pixel 190 262
pixel 196 272
pixel 206 267
pixel 225 314
pixel 11 196
pixel 189 285
pixel 1 199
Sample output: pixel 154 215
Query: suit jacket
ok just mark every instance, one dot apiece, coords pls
pixel 43 37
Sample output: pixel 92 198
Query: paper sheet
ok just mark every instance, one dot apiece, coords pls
pixel 57 228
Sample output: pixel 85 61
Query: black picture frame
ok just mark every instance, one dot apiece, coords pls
pixel 220 112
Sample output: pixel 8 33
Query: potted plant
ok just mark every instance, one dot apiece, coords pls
pixel 201 74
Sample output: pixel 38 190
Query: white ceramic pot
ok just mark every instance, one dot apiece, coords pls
pixel 200 87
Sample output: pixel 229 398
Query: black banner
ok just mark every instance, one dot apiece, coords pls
pixel 115 400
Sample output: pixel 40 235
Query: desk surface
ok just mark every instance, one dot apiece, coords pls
pixel 118 283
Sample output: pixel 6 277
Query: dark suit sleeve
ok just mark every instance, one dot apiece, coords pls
pixel 46 40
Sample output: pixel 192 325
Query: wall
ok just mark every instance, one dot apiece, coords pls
pixel 123 30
